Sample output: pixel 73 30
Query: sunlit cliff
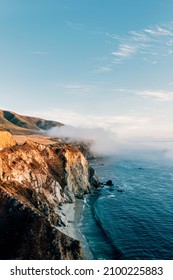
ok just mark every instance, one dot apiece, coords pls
pixel 34 181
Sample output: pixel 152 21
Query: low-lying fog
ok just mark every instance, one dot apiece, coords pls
pixel 108 143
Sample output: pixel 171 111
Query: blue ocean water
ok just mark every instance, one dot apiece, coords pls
pixel 136 223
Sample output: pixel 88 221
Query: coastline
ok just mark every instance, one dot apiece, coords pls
pixel 71 217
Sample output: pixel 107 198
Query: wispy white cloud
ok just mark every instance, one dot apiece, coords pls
pixel 139 36
pixel 159 95
pixel 74 25
pixel 113 36
pixel 116 61
pixel 125 51
pixel 97 89
pixel 170 43
pixel 75 88
pixel 158 31
pixel 154 41
pixel 170 52
pixel 78 88
pixel 150 61
pixel 102 69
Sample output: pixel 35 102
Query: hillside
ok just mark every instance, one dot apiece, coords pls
pixel 19 124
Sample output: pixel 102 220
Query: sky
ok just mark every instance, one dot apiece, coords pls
pixel 90 63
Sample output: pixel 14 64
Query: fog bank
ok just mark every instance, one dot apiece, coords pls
pixel 103 142
pixel 107 143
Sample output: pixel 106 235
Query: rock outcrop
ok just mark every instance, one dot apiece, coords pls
pixel 34 181
pixel 83 146
pixel 6 139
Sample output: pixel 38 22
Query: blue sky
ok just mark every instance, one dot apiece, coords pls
pixel 103 63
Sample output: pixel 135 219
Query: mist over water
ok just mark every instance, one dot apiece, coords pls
pixel 104 142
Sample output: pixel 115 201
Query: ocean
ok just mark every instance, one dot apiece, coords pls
pixel 137 223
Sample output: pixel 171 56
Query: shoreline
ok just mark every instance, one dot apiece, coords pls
pixel 71 216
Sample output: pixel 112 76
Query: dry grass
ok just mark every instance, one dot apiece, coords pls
pixel 41 139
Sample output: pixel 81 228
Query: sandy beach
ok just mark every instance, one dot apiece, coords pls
pixel 71 214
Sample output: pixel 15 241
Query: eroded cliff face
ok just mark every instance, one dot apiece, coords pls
pixel 34 181
pixel 26 233
pixel 6 139
pixel 77 165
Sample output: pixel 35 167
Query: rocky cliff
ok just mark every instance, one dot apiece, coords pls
pixel 6 139
pixel 34 181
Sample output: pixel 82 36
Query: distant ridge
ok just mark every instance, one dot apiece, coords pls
pixel 19 124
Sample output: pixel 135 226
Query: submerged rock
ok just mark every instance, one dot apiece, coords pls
pixel 109 183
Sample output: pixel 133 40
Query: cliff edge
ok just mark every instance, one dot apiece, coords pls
pixel 34 181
